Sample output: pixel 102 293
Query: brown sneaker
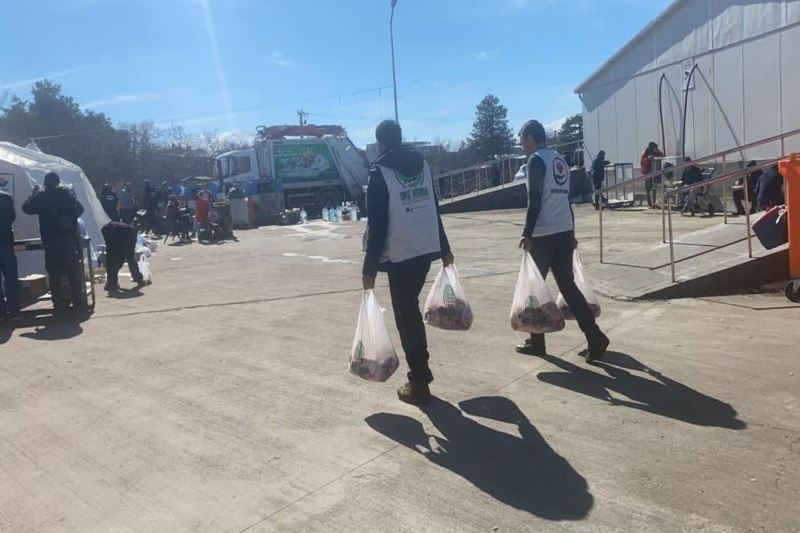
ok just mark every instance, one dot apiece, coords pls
pixel 415 393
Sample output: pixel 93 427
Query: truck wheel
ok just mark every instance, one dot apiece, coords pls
pixel 792 291
pixel 328 197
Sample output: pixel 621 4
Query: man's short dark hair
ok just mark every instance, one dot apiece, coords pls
pixel 533 128
pixel 51 180
pixel 389 134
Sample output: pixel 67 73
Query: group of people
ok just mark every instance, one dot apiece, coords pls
pixel 764 189
pixel 405 236
pixel 162 211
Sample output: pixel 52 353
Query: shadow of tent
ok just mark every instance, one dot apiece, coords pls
pixel 520 470
pixel 655 393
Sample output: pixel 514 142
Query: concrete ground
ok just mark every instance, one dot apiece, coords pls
pixel 219 399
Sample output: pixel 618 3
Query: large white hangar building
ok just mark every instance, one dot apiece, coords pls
pixel 745 86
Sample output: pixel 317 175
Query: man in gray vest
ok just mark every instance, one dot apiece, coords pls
pixel 549 235
pixel 404 236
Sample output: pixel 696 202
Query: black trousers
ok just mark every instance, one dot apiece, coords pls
pixel 738 199
pixel 598 198
pixel 121 248
pixel 554 252
pixel 61 261
pixel 405 284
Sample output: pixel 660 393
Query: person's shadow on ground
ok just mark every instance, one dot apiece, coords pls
pixel 661 395
pixel 522 470
pixel 55 328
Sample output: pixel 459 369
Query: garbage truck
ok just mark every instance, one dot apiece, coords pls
pixel 314 166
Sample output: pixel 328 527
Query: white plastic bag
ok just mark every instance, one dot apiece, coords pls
pixel 372 357
pixel 582 281
pixel 447 306
pixel 533 309
pixel 144 269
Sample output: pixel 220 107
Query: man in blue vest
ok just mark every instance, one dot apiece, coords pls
pixel 549 235
pixel 404 236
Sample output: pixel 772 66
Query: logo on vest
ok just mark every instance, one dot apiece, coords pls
pixel 410 182
pixel 560 171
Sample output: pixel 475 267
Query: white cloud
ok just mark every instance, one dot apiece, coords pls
pixel 31 81
pixel 484 55
pixel 279 59
pixel 125 99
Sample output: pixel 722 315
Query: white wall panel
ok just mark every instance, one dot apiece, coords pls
pixel 790 72
pixel 728 105
pixel 590 132
pixel 792 12
pixel 607 117
pixel 627 150
pixel 699 121
pixel 726 23
pixel 762 93
pixel 646 112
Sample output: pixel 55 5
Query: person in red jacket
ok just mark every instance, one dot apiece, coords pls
pixel 202 207
pixel 646 163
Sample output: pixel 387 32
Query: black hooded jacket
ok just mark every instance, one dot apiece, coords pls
pixel 7 216
pixel 407 161
pixel 58 211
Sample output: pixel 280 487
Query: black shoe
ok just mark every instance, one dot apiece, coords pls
pixel 532 347
pixel 414 393
pixel 597 348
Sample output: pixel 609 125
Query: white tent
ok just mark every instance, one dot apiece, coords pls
pixel 20 170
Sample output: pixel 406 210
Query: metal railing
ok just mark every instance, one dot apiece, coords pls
pixel 476 178
pixel 670 195
pixel 461 182
pixel 679 168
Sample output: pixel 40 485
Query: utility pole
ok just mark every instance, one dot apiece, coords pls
pixel 394 75
pixel 302 116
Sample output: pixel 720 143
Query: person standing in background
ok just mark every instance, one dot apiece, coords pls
pixel 598 177
pixel 646 163
pixel 127 204
pixel 163 198
pixel 770 189
pixel 110 202
pixel 150 201
pixel 9 276
pixel 752 191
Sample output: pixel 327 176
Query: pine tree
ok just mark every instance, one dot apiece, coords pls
pixel 491 134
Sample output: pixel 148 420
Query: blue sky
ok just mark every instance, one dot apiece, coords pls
pixel 230 65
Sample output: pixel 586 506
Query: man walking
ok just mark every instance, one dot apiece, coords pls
pixel 120 248
pixel 127 204
pixel 58 211
pixel 9 277
pixel 404 236
pixel 549 235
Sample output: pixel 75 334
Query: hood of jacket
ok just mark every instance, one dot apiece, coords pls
pixel 403 159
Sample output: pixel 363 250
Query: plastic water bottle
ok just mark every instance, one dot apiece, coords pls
pixel 303 216
pixel 325 214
